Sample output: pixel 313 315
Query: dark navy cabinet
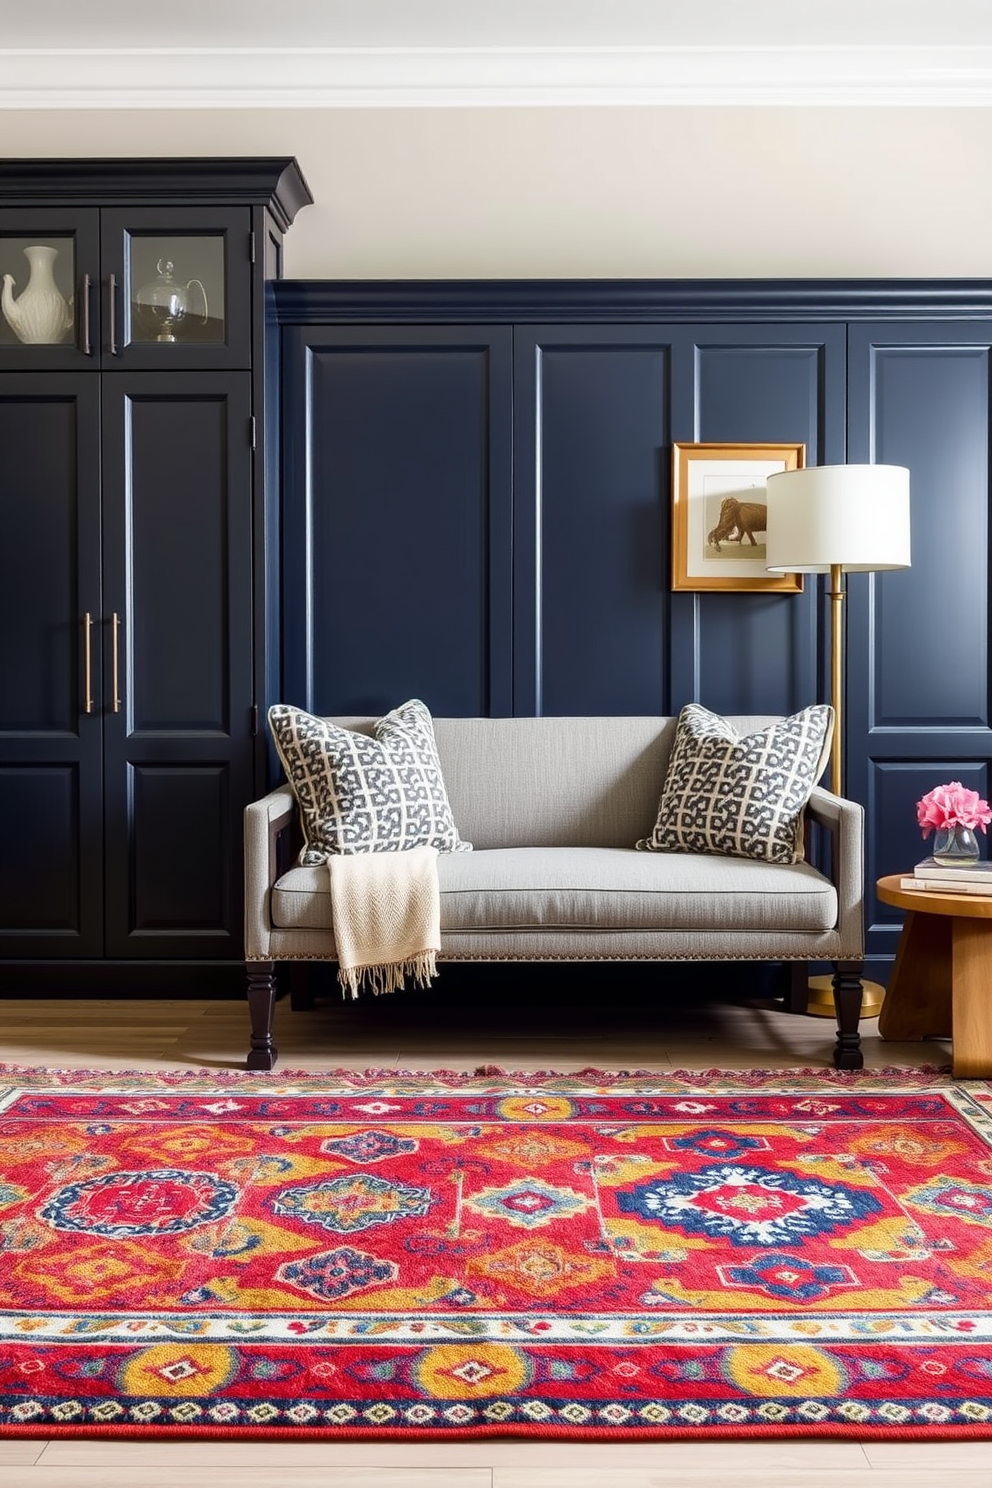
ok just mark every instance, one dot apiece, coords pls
pixel 51 727
pixel 132 506
pixel 176 660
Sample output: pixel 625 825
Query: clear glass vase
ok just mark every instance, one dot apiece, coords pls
pixel 955 845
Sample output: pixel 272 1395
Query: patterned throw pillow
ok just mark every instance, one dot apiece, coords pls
pixel 740 795
pixel 358 794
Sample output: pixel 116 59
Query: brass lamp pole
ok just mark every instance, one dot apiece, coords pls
pixel 836 595
pixel 820 989
pixel 835 519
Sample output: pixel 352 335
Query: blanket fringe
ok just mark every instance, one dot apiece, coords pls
pixel 389 976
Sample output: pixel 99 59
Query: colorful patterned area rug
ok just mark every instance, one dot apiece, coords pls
pixel 428 1255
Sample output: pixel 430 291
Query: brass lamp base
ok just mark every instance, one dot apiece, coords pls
pixel 820 1002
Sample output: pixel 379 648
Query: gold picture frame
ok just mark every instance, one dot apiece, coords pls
pixel 714 545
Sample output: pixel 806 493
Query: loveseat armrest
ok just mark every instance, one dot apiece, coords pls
pixel 845 821
pixel 265 821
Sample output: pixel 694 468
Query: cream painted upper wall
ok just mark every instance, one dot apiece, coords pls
pixel 593 192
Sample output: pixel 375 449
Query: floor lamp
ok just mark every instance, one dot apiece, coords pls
pixel 838 519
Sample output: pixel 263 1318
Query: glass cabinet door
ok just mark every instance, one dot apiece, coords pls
pixel 177 287
pixel 50 276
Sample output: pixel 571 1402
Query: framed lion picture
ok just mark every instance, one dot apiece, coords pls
pixel 719 513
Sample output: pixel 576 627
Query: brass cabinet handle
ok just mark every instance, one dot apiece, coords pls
pixel 87 343
pixel 113 315
pixel 115 633
pixel 88 661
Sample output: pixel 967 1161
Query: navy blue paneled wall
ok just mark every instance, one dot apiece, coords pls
pixel 480 515
pixel 476 506
pixel 596 410
pixel 918 653
pixel 397 516
pixel 591 417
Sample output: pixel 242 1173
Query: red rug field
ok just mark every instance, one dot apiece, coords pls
pixel 401 1255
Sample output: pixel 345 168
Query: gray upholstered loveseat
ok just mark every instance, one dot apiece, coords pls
pixel 553 808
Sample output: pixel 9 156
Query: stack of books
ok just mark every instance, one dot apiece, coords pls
pixel 944 878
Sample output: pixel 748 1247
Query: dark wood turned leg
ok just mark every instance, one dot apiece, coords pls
pixel 261 1005
pixel 301 995
pixel 848 993
pixel 798 994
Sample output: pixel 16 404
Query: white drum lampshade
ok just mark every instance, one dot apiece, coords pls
pixel 854 517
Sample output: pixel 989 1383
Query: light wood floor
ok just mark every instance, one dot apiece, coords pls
pixel 610 1019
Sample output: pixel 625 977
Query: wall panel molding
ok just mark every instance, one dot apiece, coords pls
pixel 396 523
pixel 548 301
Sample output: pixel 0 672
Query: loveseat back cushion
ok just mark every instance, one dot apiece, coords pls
pixel 554 782
pixel 359 792
pixel 741 794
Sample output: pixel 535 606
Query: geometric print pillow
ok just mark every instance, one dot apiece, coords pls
pixel 740 795
pixel 358 794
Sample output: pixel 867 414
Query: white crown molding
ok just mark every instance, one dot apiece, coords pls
pixel 467 77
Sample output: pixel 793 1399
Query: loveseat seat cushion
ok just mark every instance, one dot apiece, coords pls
pixel 595 888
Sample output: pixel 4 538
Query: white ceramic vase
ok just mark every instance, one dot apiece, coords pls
pixel 40 315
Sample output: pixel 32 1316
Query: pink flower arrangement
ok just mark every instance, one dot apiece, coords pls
pixel 952 805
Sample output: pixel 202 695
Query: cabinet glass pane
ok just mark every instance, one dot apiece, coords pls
pixel 175 288
pixel 38 283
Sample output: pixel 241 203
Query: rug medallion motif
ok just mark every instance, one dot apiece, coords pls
pixel 599 1256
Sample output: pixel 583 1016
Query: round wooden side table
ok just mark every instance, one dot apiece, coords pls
pixel 941 983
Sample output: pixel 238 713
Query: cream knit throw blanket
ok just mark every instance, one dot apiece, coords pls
pixel 386 910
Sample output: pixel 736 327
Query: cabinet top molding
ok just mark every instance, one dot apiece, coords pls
pixel 273 181
pixel 553 301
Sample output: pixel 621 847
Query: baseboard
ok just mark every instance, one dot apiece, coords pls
pixel 166 979
pixel 226 979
